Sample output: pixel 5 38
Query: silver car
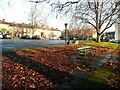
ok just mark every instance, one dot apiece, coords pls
pixel 1 36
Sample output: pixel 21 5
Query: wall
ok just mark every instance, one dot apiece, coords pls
pixel 117 31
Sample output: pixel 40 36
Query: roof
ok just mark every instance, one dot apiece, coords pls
pixel 28 25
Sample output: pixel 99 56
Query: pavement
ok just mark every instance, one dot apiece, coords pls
pixel 79 78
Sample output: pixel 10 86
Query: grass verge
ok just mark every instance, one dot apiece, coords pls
pixel 103 44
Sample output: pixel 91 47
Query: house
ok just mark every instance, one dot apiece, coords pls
pixel 16 30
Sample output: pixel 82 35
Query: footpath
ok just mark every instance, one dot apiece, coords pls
pixel 94 79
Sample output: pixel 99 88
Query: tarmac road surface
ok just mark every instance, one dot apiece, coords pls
pixel 9 44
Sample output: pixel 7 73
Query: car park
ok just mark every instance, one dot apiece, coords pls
pixel 6 36
pixel 25 37
pixel 35 37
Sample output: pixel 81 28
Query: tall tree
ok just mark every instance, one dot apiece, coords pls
pixel 101 14
pixel 35 17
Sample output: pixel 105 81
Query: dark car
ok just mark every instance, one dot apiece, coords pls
pixel 25 37
pixel 6 36
pixel 35 37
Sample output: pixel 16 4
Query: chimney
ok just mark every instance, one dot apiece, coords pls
pixel 3 20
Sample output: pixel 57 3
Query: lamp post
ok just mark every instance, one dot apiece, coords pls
pixel 66 35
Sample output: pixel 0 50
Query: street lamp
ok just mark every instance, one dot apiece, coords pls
pixel 66 35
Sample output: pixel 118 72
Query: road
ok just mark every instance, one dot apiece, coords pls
pixel 9 44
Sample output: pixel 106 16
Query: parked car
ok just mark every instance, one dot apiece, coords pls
pixel 1 36
pixel 111 40
pixel 115 41
pixel 25 37
pixel 35 37
pixel 6 36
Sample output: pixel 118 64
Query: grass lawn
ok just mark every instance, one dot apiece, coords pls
pixel 101 75
pixel 103 44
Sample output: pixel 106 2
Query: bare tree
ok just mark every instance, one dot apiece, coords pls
pixel 101 14
pixel 97 13
pixel 35 18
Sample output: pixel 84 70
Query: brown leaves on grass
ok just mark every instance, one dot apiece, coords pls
pixel 14 75
pixel 55 66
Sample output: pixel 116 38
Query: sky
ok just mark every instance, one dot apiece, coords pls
pixel 17 11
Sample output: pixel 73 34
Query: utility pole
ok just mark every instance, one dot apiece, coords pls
pixel 67 41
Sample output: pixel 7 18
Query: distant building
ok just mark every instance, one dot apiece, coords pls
pixel 16 30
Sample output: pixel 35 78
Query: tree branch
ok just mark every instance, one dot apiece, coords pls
pixel 110 25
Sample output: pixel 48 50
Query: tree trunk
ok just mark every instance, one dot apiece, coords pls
pixel 87 37
pixel 99 37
